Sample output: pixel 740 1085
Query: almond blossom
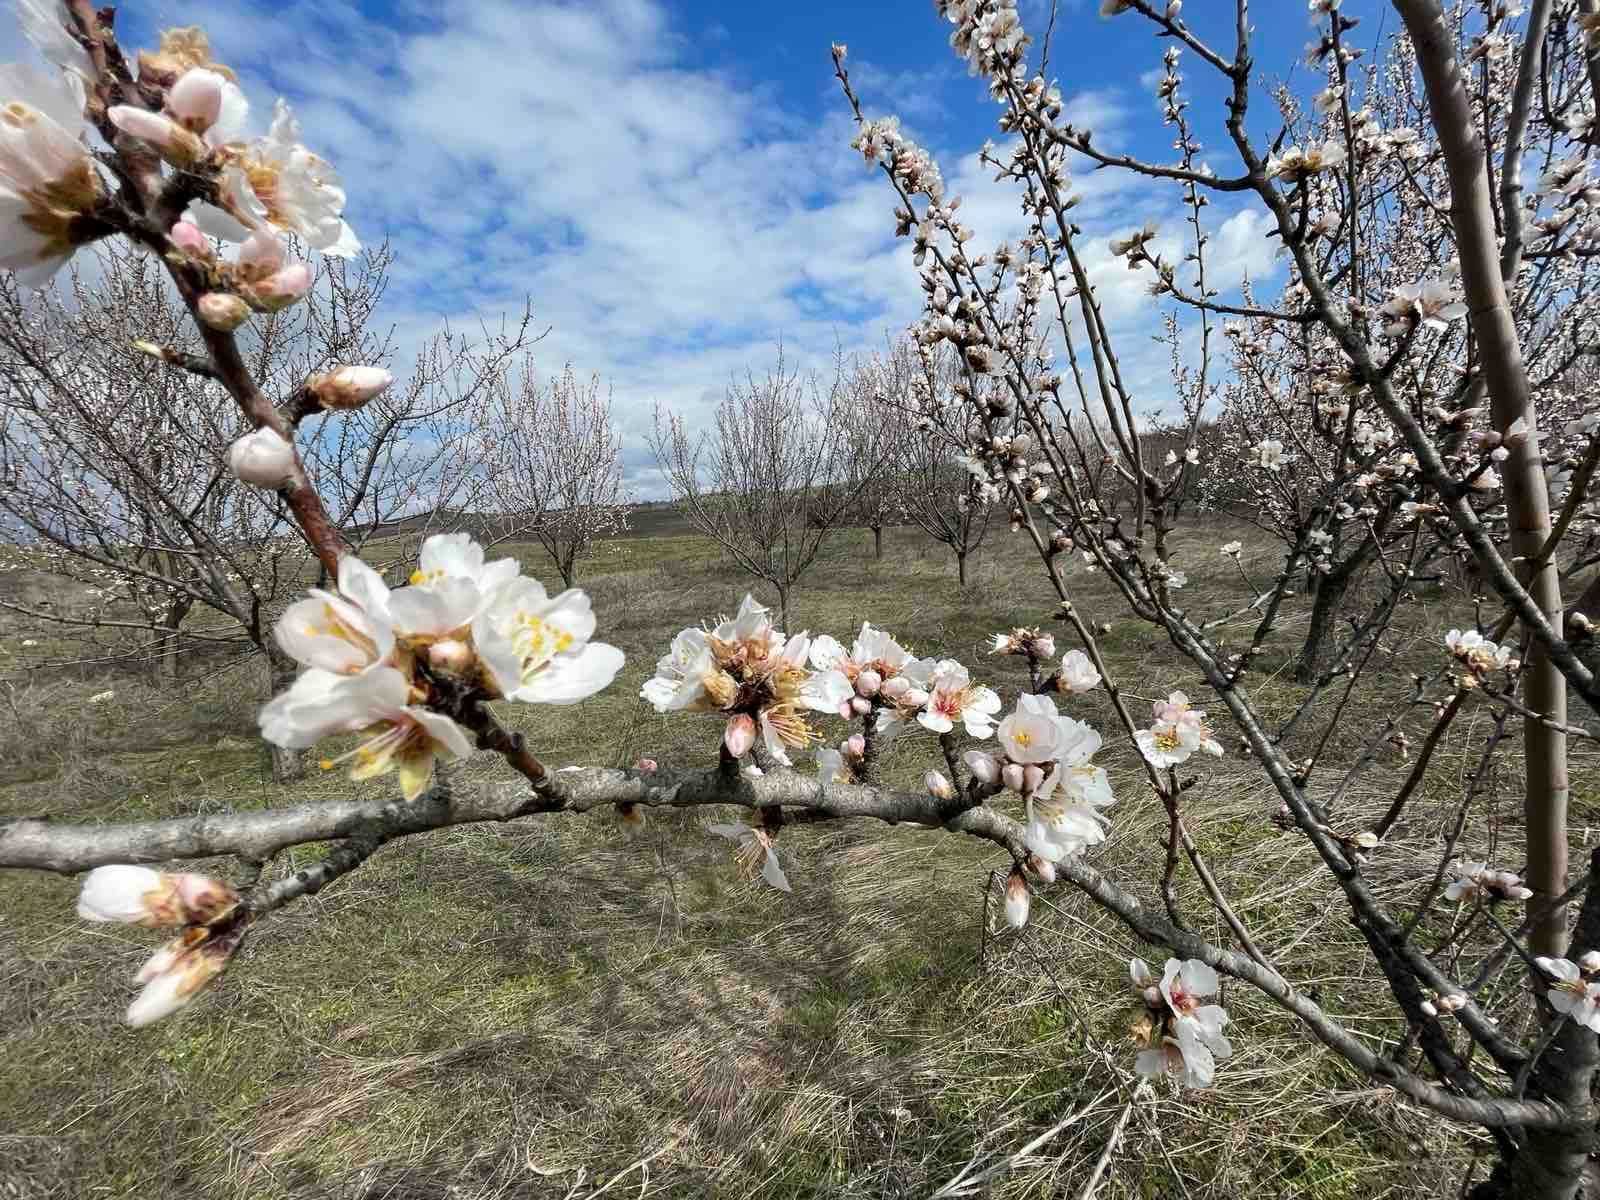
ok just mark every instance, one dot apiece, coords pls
pixel 1569 993
pixel 746 665
pixel 342 634
pixel 1477 652
pixel 402 736
pixel 754 853
pixel 276 182
pixel 952 697
pixel 535 647
pixel 1476 880
pixel 1077 673
pixel 47 178
pixel 1185 1036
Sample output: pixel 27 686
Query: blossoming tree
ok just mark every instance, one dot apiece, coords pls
pixel 409 672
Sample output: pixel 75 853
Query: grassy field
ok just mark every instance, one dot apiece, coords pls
pixel 552 1007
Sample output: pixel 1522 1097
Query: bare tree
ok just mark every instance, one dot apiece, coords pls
pixel 771 482
pixel 917 390
pixel 552 464
pixel 876 432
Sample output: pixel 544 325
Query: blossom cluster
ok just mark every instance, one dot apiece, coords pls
pixel 386 661
pixel 1181 1036
pixel 1178 731
pixel 1479 881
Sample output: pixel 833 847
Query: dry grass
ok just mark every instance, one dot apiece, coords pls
pixel 548 1008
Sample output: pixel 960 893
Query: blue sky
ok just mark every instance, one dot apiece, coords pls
pixel 669 181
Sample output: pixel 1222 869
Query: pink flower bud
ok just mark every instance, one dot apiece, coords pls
pixel 223 311
pixel 280 289
pixel 868 683
pixel 855 746
pixel 348 387
pixel 914 697
pixel 1032 777
pixel 845 710
pixel 896 687
pixel 188 238
pixel 1043 869
pixel 196 99
pixel 983 766
pixel 1045 645
pixel 1016 899
pixel 939 787
pixel 260 255
pixel 1012 776
pixel 262 458
pixel 861 706
pixel 451 656
pixel 645 764
pixel 739 735
pixel 1153 998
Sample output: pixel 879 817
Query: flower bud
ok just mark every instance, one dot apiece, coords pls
pixel 175 144
pixel 645 764
pixel 1016 899
pixel 983 766
pixel 1032 777
pixel 279 290
pixel 914 697
pixel 1428 1008
pixel 451 656
pixel 348 387
pixel 1012 776
pixel 845 710
pixel 263 458
pixel 939 787
pixel 187 237
pixel 175 974
pixel 1045 645
pixel 1589 962
pixel 895 688
pixel 223 311
pixel 860 706
pixel 868 683
pixel 1043 869
pixel 739 734
pixel 196 99
pixel 855 746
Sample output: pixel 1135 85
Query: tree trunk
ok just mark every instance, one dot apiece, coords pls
pixel 783 607
pixel 166 664
pixel 287 765
pixel 1527 495
pixel 877 541
pixel 961 567
pixel 1324 617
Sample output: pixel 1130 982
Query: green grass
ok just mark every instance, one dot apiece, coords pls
pixel 528 1010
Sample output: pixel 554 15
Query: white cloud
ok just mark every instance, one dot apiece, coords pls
pixel 671 222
